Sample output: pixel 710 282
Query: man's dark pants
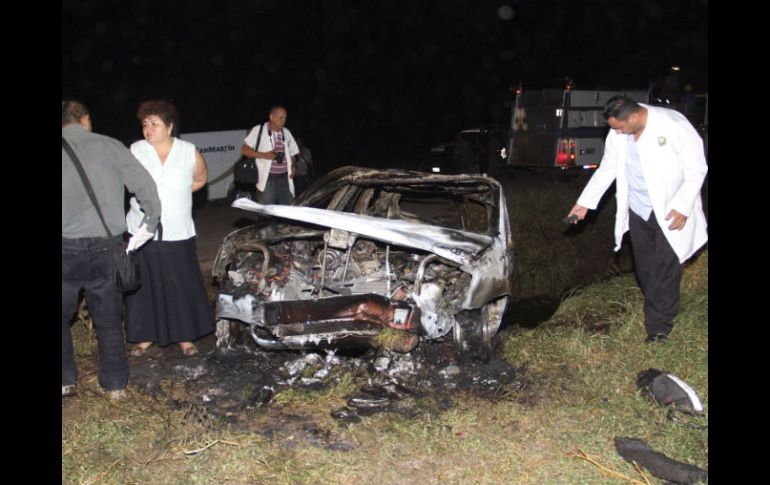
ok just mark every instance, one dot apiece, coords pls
pixel 88 264
pixel 658 271
pixel 276 191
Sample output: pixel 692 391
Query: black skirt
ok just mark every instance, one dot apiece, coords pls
pixel 172 304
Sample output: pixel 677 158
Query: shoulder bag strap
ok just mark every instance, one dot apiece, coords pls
pixel 84 179
pixel 259 137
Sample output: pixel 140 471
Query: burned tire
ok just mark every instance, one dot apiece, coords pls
pixel 230 333
pixel 471 336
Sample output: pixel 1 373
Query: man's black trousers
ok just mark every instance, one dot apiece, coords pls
pixel 88 264
pixel 658 271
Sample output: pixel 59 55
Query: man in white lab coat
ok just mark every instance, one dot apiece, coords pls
pixel 656 158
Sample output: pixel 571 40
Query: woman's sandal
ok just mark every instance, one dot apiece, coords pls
pixel 189 350
pixel 140 349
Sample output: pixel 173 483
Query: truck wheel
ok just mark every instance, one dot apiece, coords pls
pixel 467 159
pixel 492 168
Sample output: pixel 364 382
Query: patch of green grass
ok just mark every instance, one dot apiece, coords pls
pixel 586 381
pixel 391 338
pixel 83 339
pixel 549 259
pixel 339 385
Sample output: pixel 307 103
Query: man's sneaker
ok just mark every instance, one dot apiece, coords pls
pixel 69 390
pixel 116 395
pixel 658 337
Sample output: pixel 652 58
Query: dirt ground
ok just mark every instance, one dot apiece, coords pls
pixel 236 386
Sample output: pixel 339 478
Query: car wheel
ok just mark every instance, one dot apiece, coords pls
pixel 471 334
pixel 229 333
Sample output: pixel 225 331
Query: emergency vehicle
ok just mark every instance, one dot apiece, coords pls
pixel 550 128
pixel 561 127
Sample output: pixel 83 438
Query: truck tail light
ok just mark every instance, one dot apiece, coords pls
pixel 565 152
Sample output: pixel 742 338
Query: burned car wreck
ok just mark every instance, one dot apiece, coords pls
pixel 366 257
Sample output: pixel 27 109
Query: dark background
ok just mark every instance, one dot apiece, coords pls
pixel 380 83
pixel 366 83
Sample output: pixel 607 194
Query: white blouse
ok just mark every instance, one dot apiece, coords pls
pixel 174 180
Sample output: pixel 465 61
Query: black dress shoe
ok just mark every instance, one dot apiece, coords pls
pixel 658 337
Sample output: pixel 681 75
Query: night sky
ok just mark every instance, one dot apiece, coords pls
pixel 368 83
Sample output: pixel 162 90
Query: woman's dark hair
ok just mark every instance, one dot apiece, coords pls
pixel 162 109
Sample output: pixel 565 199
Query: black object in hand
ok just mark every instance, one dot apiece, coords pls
pixel 278 157
pixel 569 219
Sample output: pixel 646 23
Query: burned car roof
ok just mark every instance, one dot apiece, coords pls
pixel 365 253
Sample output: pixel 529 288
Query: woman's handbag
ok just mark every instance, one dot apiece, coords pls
pixel 126 278
pixel 245 168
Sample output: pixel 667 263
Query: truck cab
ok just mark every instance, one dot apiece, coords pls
pixel 561 127
pixel 551 128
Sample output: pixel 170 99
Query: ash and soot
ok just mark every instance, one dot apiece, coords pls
pixel 249 389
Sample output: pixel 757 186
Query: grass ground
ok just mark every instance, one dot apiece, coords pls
pixel 582 368
pixel 551 257
pixel 580 394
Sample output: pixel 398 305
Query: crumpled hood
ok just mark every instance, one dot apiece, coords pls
pixel 452 244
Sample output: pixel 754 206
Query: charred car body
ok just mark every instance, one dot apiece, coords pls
pixel 370 258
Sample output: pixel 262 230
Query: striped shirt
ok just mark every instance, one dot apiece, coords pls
pixel 277 168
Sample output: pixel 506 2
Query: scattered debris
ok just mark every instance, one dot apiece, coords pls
pixel 584 456
pixel 297 366
pixel 199 450
pixel 450 371
pixel 368 402
pixel 636 450
pixel 668 389
pixel 237 388
pixel 264 396
pixel 191 372
pixel 346 415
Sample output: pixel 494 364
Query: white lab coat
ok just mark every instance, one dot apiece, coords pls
pixel 674 166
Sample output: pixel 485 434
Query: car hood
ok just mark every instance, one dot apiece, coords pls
pixel 451 244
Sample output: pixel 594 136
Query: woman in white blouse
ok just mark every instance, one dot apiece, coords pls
pixel 171 306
